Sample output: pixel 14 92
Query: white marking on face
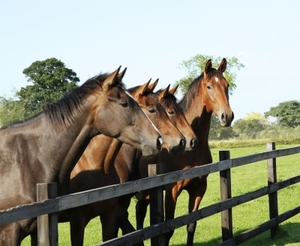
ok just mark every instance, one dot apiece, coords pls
pixel 217 79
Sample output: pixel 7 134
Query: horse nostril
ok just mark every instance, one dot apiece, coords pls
pixel 182 142
pixel 193 143
pixel 224 117
pixel 159 143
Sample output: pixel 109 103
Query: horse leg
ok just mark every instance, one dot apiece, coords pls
pixel 123 222
pixel 172 192
pixel 141 209
pixel 124 202
pixel 10 235
pixel 78 222
pixel 195 196
pixel 109 221
pixel 33 237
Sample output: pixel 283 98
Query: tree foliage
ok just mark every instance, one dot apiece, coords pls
pixel 50 79
pixel 287 113
pixel 10 111
pixel 196 64
pixel 249 128
pixel 218 133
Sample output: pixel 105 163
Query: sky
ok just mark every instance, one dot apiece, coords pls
pixel 152 38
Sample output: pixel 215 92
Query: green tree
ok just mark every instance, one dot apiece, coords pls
pixel 10 111
pixel 249 128
pixel 286 113
pixel 50 79
pixel 196 64
pixel 220 133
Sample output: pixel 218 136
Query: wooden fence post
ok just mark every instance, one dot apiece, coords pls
pixel 273 198
pixel 225 189
pixel 156 203
pixel 47 225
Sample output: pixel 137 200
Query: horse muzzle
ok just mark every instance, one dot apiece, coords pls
pixel 226 119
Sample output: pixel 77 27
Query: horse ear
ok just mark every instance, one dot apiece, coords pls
pixel 222 66
pixel 153 85
pixel 208 66
pixel 111 79
pixel 173 90
pixel 121 75
pixel 164 92
pixel 141 90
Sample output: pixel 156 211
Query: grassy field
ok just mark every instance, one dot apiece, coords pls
pixel 245 216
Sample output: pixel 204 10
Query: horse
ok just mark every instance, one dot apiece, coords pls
pixel 46 147
pixel 95 168
pixel 127 160
pixel 206 95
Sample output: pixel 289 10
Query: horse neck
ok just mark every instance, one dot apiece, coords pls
pixel 110 155
pixel 199 118
pixel 68 145
pixel 98 155
pixel 74 146
pixel 56 148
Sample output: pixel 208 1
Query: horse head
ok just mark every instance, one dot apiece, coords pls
pixel 214 87
pixel 116 114
pixel 175 113
pixel 174 141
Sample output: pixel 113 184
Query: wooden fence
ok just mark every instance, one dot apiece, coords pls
pixel 53 205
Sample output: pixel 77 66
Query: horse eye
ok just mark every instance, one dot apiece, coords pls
pixel 151 110
pixel 124 104
pixel 208 87
pixel 171 112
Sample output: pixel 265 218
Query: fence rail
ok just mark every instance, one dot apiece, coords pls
pixel 55 205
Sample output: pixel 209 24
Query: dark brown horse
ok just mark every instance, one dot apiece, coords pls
pixel 207 95
pixel 96 168
pixel 46 147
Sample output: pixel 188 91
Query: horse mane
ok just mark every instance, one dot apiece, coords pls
pixel 133 89
pixel 189 95
pixel 169 99
pixel 193 88
pixel 62 112
pixel 147 92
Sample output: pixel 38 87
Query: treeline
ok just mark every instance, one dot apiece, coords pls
pixel 256 126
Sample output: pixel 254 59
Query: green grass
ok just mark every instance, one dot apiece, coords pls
pixel 245 216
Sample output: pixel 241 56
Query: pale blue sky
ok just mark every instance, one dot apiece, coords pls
pixel 152 38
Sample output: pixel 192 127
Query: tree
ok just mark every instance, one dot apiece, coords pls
pixel 10 111
pixel 197 63
pixel 287 113
pixel 194 66
pixel 249 128
pixel 220 133
pixel 51 80
pixel 255 116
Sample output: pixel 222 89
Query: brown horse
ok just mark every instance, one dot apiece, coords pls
pixel 206 95
pixel 96 168
pixel 127 160
pixel 46 147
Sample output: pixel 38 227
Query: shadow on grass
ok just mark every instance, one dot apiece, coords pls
pixel 288 233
